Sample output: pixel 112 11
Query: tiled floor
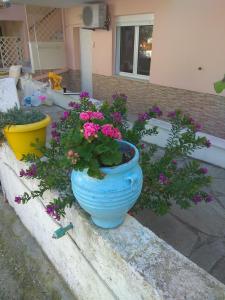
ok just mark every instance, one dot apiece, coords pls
pixel 198 232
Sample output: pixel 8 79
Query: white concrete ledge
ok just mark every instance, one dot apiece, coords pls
pixel 130 262
pixel 214 155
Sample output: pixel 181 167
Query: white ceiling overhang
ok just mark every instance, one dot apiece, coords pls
pixel 52 3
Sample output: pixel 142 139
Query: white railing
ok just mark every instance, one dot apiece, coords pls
pixel 11 51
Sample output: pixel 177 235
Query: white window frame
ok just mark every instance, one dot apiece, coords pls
pixel 136 21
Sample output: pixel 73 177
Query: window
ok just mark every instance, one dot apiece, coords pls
pixel 134 45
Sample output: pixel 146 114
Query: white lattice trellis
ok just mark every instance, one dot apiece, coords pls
pixel 11 51
pixel 44 23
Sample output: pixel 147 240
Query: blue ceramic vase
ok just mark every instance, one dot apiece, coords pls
pixel 108 200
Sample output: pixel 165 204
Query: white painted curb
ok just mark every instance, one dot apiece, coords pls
pixel 214 155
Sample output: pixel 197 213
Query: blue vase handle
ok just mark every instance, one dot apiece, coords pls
pixel 133 181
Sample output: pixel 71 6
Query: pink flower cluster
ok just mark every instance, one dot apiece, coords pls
pixel 91 130
pixel 109 130
pixel 90 115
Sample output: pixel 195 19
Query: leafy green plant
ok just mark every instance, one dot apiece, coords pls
pixel 219 86
pixel 79 142
pixel 16 116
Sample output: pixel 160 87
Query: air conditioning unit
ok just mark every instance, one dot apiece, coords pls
pixel 94 15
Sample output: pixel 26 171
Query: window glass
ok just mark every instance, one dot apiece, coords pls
pixel 126 48
pixel 144 49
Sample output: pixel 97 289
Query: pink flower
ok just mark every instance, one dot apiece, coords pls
pixel 89 115
pixel 90 130
pixel 85 116
pixel 97 115
pixel 110 131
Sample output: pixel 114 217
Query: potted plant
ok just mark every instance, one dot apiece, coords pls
pixel 106 177
pixel 22 129
pixel 98 151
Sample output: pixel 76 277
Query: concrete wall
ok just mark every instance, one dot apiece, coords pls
pixel 129 262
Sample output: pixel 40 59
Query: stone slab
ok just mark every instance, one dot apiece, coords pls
pixel 170 230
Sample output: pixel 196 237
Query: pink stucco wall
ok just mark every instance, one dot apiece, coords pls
pixel 187 35
pixel 13 13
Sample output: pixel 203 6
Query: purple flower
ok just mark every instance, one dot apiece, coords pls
pixel 156 110
pixel 208 143
pixel 209 198
pixel 142 146
pixel 74 105
pixel 203 170
pixel 117 117
pixel 198 126
pixel 51 210
pixel 54 125
pixel 197 198
pixel 84 94
pixel 143 117
pixel 31 172
pixel 172 114
pixel 55 135
pixel 65 115
pixel 163 179
pixel 18 199
pixel 174 162
pixel 22 173
pixel 191 120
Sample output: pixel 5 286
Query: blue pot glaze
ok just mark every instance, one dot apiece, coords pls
pixel 108 200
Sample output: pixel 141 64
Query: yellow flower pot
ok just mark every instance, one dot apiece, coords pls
pixel 20 137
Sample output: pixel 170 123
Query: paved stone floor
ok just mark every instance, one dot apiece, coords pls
pixel 25 272
pixel 199 232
